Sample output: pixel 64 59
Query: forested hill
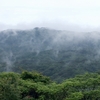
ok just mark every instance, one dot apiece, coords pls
pixel 55 53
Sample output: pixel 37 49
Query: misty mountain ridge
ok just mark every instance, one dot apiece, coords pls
pixel 56 53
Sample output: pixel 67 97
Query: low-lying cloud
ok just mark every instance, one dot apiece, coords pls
pixel 53 25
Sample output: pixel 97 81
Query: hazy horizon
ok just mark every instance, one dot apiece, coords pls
pixel 73 15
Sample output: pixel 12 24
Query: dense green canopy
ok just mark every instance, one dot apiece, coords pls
pixel 35 86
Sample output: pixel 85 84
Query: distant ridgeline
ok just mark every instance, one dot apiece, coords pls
pixel 55 53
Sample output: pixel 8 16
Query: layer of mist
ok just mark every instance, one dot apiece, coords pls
pixel 15 44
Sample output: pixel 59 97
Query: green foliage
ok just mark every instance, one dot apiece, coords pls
pixel 36 77
pixel 31 86
pixel 75 96
pixel 9 86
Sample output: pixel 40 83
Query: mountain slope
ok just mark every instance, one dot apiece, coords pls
pixel 58 54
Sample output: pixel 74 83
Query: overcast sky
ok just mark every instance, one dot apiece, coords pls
pixel 57 14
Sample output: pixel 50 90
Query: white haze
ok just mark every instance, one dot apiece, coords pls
pixel 54 25
pixel 72 15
